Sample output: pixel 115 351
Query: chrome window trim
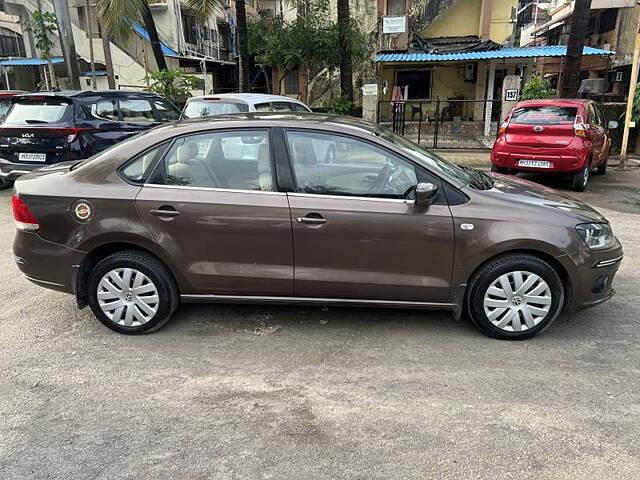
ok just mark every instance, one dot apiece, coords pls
pixel 351 197
pixel 211 189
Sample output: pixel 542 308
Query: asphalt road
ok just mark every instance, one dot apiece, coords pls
pixel 228 392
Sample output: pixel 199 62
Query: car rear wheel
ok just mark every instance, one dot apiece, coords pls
pixel 4 183
pixel 515 297
pixel 581 178
pixel 132 292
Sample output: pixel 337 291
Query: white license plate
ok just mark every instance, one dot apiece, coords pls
pixel 32 157
pixel 534 163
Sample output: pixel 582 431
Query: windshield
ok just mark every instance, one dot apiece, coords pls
pixel 36 112
pixel 438 164
pixel 206 108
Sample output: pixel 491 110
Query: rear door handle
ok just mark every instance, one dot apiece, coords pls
pixel 312 219
pixel 165 212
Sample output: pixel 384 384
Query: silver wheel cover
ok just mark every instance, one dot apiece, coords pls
pixel 128 297
pixel 517 301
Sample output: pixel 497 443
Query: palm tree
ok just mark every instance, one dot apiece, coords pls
pixel 573 60
pixel 117 16
pixel 346 68
pixel 204 9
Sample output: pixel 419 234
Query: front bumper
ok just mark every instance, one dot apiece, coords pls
pixel 46 263
pixel 591 276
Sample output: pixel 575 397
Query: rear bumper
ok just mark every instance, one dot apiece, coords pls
pixel 46 263
pixel 11 171
pixel 563 160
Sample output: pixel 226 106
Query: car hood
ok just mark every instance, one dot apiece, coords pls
pixel 521 191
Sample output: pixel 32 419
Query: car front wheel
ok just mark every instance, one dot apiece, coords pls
pixel 515 297
pixel 131 292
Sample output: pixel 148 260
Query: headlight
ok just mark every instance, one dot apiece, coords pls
pixel 597 236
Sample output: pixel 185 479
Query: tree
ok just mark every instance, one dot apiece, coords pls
pixel 575 44
pixel 174 85
pixel 117 16
pixel 346 68
pixel 310 39
pixel 537 88
pixel 65 33
pixel 42 25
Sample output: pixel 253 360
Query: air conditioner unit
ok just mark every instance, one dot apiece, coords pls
pixel 593 85
pixel 470 72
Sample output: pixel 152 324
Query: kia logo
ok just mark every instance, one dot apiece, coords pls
pixel 28 135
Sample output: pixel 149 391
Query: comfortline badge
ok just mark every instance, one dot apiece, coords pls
pixel 82 210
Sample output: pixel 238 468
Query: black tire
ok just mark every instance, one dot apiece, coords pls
pixel 580 179
pixel 154 270
pixel 4 183
pixel 497 169
pixel 490 272
pixel 602 168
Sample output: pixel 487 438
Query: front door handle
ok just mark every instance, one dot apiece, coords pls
pixel 312 219
pixel 165 211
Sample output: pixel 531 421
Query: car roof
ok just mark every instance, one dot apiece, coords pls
pixel 93 93
pixel 265 119
pixel 251 98
pixel 569 102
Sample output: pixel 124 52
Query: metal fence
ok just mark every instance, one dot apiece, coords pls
pixel 461 124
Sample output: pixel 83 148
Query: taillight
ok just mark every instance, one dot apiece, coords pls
pixel 22 216
pixel 503 127
pixel 579 127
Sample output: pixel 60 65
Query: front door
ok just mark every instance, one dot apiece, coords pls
pixel 356 231
pixel 597 134
pixel 211 204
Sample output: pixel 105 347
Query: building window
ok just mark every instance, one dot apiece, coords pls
pixel 417 81
pixel 291 83
pixel 396 7
pixel 608 20
pixel 189 28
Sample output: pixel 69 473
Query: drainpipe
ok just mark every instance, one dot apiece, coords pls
pixel 485 20
pixel 489 101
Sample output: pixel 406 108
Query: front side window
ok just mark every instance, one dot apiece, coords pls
pixel 239 160
pixel 263 107
pixel 338 165
pixel 299 108
pixel 282 106
pixel 165 112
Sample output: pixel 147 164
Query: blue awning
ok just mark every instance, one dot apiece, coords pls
pixel 144 34
pixel 508 52
pixel 30 61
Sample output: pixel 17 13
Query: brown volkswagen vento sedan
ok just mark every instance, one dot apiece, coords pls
pixel 305 209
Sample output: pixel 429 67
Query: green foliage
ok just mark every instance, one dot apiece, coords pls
pixel 635 112
pixel 310 39
pixel 116 16
pixel 174 85
pixel 537 88
pixel 341 105
pixel 42 25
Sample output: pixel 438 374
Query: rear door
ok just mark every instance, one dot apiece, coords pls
pixel 357 232
pixel 38 129
pixel 597 133
pixel 216 211
pixel 547 126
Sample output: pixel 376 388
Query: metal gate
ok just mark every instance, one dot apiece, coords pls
pixel 462 124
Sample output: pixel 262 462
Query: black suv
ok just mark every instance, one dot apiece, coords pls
pixel 51 127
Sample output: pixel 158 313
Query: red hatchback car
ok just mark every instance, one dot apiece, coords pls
pixel 565 136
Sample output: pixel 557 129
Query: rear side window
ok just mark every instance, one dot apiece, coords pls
pixel 138 169
pixel 207 108
pixel 107 109
pixel 263 107
pixel 34 112
pixel 543 115
pixel 138 111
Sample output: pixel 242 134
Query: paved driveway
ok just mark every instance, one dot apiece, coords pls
pixel 299 393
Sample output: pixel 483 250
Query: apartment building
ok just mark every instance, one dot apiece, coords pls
pixel 205 51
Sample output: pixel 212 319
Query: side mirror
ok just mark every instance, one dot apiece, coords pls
pixel 612 125
pixel 425 194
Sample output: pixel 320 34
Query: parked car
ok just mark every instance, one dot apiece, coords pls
pixel 554 136
pixel 208 105
pixel 5 101
pixel 50 127
pixel 172 215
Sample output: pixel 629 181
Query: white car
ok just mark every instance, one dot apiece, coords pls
pixel 208 105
